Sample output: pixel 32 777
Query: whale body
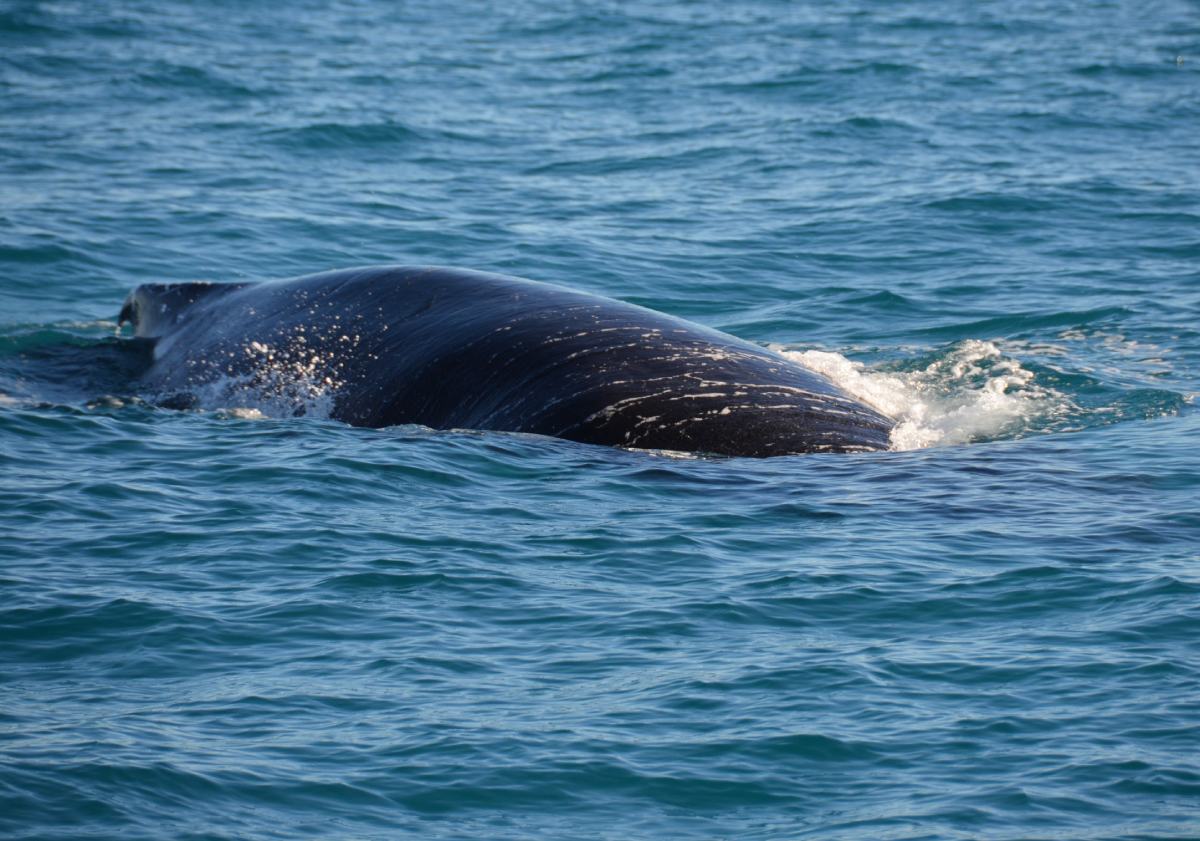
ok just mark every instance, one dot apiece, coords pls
pixel 458 349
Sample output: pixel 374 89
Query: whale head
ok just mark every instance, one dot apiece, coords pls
pixel 154 308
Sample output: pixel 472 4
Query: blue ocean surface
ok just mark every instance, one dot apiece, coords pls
pixel 230 622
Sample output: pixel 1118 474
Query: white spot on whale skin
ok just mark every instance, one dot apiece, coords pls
pixel 700 395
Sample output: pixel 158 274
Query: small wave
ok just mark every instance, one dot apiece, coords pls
pixel 664 161
pixel 983 204
pixel 42 254
pixel 325 136
pixel 25 23
pixel 864 126
pixel 1143 70
pixel 204 81
pixel 384 581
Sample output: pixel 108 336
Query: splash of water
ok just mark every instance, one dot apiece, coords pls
pixel 970 393
pixel 283 380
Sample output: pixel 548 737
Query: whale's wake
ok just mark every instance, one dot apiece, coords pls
pixel 970 392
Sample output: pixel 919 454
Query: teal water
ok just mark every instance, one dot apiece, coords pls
pixel 983 218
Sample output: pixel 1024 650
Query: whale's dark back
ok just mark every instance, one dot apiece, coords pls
pixel 450 348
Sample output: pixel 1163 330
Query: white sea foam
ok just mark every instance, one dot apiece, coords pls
pixel 971 392
pixel 97 324
pixel 244 414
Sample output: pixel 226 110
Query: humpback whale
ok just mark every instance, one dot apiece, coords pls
pixel 458 349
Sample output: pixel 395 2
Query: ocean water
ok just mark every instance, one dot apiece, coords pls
pixel 984 219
